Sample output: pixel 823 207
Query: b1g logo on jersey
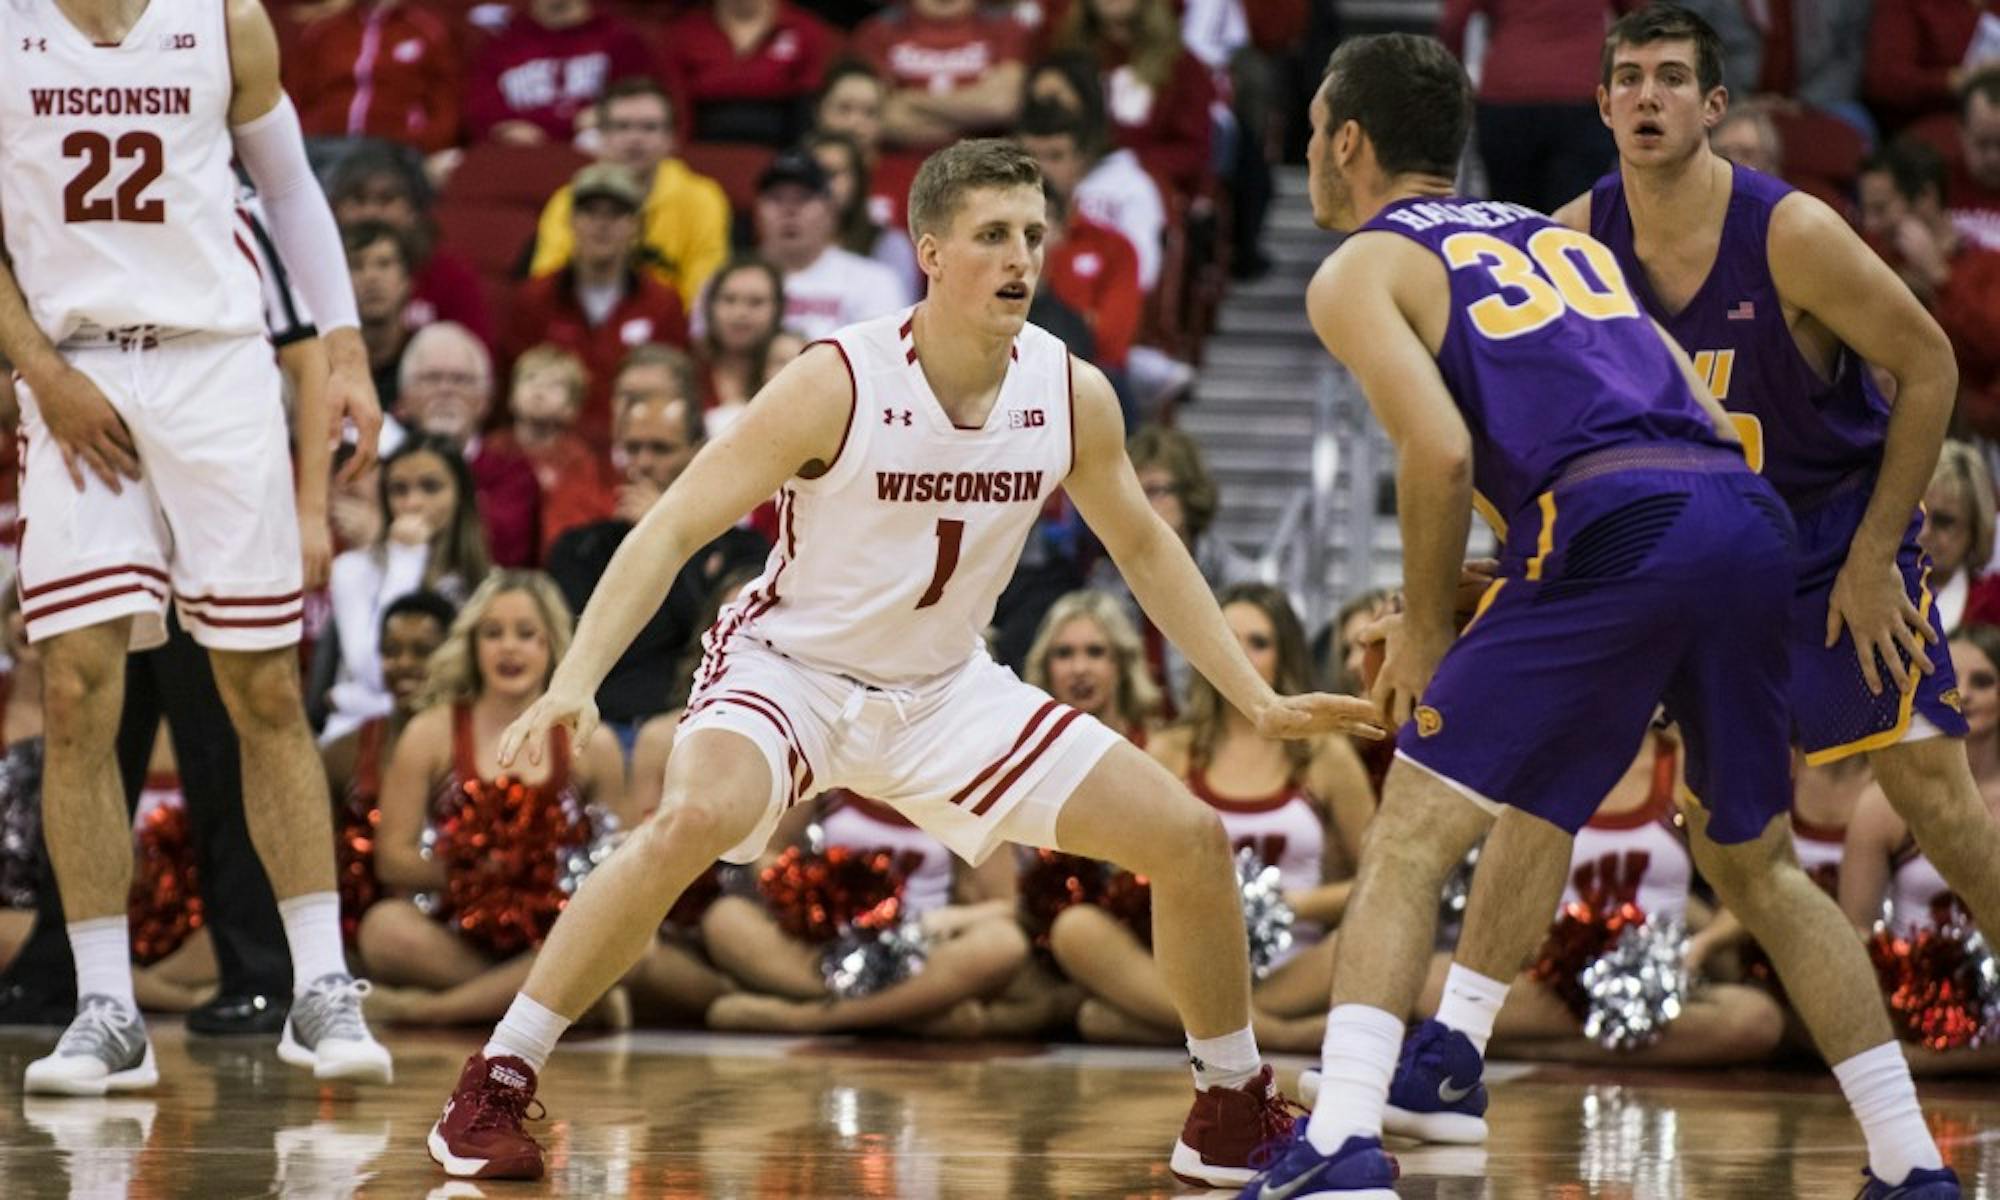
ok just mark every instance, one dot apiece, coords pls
pixel 1033 418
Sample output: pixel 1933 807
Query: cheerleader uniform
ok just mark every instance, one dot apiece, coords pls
pixel 1283 829
pixel 1636 857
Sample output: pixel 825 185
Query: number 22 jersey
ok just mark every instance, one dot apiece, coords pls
pixel 1547 353
pixel 888 566
pixel 115 185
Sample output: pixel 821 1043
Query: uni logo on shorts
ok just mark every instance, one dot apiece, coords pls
pixel 1429 720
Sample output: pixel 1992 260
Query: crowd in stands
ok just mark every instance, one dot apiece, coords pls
pixel 582 236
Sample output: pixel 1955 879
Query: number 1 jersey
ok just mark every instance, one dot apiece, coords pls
pixel 1547 353
pixel 887 567
pixel 115 184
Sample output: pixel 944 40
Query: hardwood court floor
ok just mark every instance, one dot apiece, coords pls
pixel 659 1115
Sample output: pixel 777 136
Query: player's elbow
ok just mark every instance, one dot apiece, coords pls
pixel 1444 461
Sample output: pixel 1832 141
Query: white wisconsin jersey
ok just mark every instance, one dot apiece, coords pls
pixel 1631 858
pixel 115 184
pixel 1819 849
pixel 925 862
pixel 887 567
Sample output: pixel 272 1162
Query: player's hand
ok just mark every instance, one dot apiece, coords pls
pixel 86 428
pixel 1409 658
pixel 1869 602
pixel 315 549
pixel 1314 713
pixel 578 714
pixel 350 397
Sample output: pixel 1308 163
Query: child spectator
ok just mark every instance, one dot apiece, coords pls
pixel 576 480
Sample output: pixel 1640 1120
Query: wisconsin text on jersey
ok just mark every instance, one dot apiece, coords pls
pixel 112 101
pixel 977 487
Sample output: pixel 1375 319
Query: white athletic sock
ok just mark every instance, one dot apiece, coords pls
pixel 1227 1061
pixel 1471 1002
pixel 1878 1088
pixel 103 951
pixel 1357 1061
pixel 312 930
pixel 528 1032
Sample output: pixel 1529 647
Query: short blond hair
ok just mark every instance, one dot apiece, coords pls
pixel 947 176
pixel 545 357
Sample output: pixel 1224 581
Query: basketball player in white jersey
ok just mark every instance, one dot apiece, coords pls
pixel 156 462
pixel 910 456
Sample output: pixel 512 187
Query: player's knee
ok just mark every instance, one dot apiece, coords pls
pixel 77 702
pixel 262 692
pixel 686 823
pixel 387 940
pixel 1183 838
pixel 726 920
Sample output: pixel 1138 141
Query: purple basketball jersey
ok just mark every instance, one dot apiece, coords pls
pixel 1547 353
pixel 1807 435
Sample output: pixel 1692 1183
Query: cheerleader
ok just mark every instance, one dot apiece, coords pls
pixel 974 946
pixel 1882 863
pixel 1632 851
pixel 496 662
pixel 1301 806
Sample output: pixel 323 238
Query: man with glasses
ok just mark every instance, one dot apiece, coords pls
pixel 684 217
pixel 659 428
pixel 447 390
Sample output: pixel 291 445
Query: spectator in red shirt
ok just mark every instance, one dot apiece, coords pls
pixel 1973 194
pixel 378 263
pixel 851 102
pixel 743 340
pixel 381 68
pixel 578 485
pixel 1920 53
pixel 744 70
pixel 1090 267
pixel 953 70
pixel 377 182
pixel 447 390
pixel 1538 129
pixel 600 304
pixel 1156 94
pixel 1903 216
pixel 856 227
pixel 546 69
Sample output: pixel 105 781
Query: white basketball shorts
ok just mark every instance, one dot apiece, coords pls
pixel 976 758
pixel 212 523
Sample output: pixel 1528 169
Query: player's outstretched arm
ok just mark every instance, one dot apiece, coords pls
pixel 1823 268
pixel 797 424
pixel 1363 302
pixel 1168 585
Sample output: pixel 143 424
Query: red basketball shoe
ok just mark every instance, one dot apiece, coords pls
pixel 1226 1126
pixel 480 1135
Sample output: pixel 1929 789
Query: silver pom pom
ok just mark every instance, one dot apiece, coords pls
pixel 1457 894
pixel 1637 987
pixel 861 962
pixel 21 823
pixel 1267 918
pixel 428 903
pixel 580 860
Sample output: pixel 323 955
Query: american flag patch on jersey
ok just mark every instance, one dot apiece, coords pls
pixel 1746 311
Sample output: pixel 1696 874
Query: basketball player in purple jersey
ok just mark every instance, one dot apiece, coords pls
pixel 1780 303
pixel 1642 563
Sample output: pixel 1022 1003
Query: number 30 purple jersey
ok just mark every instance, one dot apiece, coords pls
pixel 1548 355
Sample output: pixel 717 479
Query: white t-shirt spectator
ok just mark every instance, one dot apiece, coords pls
pixel 1119 193
pixel 839 289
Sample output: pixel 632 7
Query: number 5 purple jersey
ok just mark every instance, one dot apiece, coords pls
pixel 1547 354
pixel 1806 433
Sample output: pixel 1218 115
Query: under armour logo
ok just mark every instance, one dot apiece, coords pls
pixel 892 415
pixel 34 43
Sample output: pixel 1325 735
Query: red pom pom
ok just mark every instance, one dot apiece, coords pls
pixel 1579 937
pixel 1054 882
pixel 1129 898
pixel 354 863
pixel 164 905
pixel 814 897
pixel 503 846
pixel 1932 988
